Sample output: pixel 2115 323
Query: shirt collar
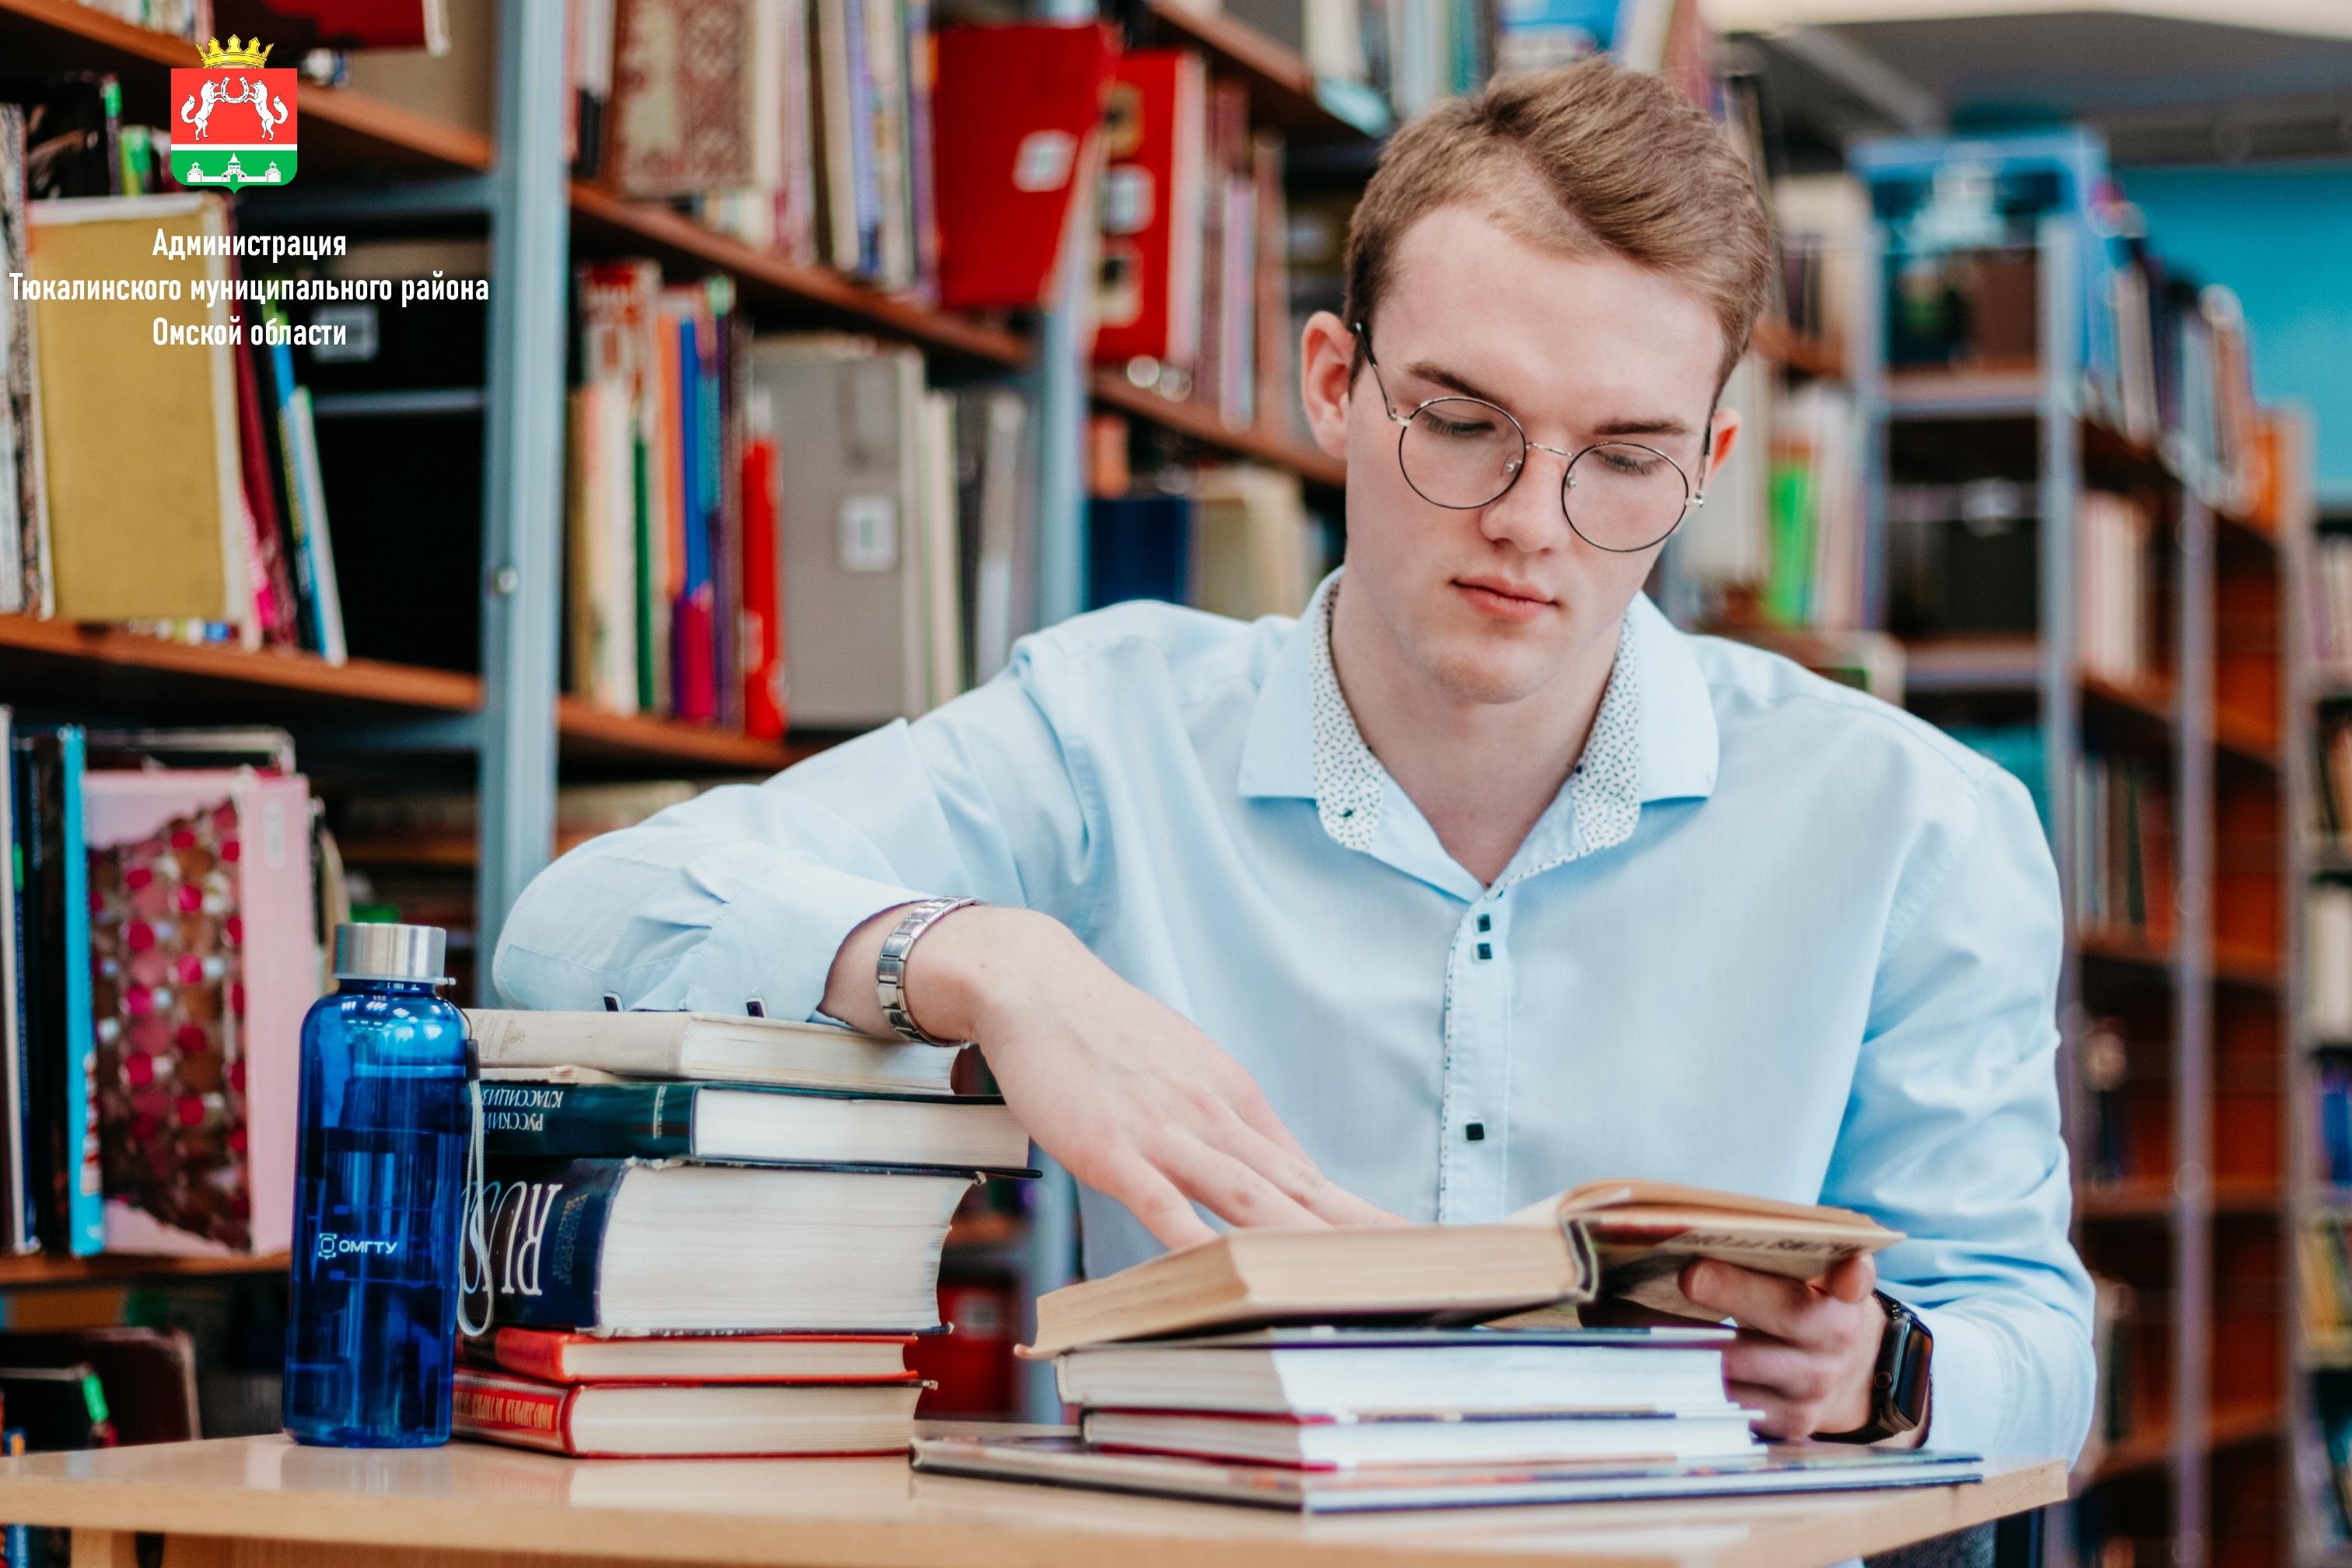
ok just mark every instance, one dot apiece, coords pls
pixel 1674 722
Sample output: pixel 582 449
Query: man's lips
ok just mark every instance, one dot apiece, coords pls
pixel 1502 599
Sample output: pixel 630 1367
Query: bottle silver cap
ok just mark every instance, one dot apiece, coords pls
pixel 377 951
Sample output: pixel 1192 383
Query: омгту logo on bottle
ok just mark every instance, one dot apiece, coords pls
pixel 233 121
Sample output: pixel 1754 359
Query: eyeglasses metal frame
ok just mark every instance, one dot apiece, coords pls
pixel 1692 496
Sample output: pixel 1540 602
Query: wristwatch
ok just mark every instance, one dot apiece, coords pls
pixel 890 969
pixel 1898 1387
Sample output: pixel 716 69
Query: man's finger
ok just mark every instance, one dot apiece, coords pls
pixel 1758 1361
pixel 1231 1190
pixel 1777 1420
pixel 1853 1278
pixel 1154 1201
pixel 1785 1308
pixel 1294 1174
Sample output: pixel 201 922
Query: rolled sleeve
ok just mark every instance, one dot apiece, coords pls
pixel 746 892
pixel 1951 1134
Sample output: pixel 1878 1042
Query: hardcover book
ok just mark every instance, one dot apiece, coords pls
pixel 1604 1238
pixel 750 1123
pixel 623 1247
pixel 673 1421
pixel 1064 1460
pixel 718 1045
pixel 555 1355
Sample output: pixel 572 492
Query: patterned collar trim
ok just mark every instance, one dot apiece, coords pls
pixel 1351 785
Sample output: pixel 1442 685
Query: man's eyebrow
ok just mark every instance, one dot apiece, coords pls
pixel 1666 426
pixel 1453 380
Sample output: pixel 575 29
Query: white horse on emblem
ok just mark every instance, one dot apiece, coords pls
pixel 272 113
pixel 201 118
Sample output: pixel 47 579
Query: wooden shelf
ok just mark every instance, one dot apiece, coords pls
pixel 2149 1448
pixel 58 664
pixel 1999 662
pixel 1795 352
pixel 617 225
pixel 2235 964
pixel 2247 736
pixel 2142 1198
pixel 2248 1421
pixel 111 1268
pixel 589 733
pixel 1283 92
pixel 1113 391
pixel 2146 701
pixel 2123 947
pixel 2248 1195
pixel 2012 394
pixel 62 662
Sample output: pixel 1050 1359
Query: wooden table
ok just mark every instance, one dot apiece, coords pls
pixel 262 1502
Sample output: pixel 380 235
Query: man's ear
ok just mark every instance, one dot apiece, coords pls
pixel 1326 359
pixel 1725 429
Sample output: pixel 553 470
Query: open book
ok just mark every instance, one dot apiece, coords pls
pixel 1604 1239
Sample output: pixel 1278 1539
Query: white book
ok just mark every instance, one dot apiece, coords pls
pixel 712 1046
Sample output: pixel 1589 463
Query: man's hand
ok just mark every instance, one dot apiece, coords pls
pixel 1122 1089
pixel 1806 1354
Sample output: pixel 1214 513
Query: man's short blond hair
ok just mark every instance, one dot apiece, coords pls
pixel 1585 159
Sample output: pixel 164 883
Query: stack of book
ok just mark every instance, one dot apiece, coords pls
pixel 1325 1371
pixel 712 1234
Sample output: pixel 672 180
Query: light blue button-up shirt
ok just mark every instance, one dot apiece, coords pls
pixel 1774 936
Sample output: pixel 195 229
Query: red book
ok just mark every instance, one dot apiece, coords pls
pixel 763 623
pixel 1013 126
pixel 971 1363
pixel 297 26
pixel 1148 301
pixel 556 1355
pixel 732 1420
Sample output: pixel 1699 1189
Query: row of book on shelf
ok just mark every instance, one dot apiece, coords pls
pixel 157 954
pixel 2165 364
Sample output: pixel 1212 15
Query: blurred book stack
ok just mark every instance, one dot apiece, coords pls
pixel 713 1235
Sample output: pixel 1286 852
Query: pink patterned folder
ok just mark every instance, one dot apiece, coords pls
pixel 203 954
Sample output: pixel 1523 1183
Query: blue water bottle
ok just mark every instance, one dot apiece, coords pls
pixel 379 1200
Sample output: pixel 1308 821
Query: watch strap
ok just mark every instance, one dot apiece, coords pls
pixel 1902 1352
pixel 890 969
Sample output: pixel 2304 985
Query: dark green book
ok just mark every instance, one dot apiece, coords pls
pixel 558 1115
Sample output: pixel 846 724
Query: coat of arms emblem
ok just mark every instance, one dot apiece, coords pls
pixel 233 119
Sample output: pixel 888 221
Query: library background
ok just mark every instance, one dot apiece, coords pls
pixel 827 346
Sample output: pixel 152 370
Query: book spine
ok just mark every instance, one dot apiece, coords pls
pixel 506 1411
pixel 85 1197
pixel 546 1225
pixel 594 1120
pixel 526 1353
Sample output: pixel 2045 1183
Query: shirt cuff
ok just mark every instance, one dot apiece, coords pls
pixel 1965 1379
pixel 774 942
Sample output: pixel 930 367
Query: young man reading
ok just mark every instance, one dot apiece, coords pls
pixel 1479 880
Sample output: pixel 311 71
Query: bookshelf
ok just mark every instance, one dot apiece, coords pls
pixel 2197 1229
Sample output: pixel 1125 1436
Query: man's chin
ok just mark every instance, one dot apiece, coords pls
pixel 1487 675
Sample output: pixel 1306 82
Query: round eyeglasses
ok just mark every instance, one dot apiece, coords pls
pixel 1463 453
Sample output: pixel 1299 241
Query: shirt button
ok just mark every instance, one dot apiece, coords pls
pixel 1486 950
pixel 1486 922
pixel 1475 1132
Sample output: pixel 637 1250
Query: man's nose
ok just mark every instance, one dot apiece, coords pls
pixel 1528 514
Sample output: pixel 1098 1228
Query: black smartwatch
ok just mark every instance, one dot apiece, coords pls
pixel 1898 1387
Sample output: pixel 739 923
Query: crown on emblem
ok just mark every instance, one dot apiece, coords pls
pixel 252 53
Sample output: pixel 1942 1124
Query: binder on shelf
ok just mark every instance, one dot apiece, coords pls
pixel 1017 147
